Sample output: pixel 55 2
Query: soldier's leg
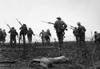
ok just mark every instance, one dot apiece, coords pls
pixel 11 41
pixel 24 39
pixel 60 40
pixel 48 40
pixel 15 40
pixel 77 39
pixel 30 39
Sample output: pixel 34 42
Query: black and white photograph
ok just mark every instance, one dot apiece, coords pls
pixel 49 34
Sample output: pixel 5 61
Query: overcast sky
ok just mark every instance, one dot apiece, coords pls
pixel 32 12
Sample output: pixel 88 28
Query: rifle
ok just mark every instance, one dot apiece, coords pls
pixel 7 25
pixel 48 22
pixel 19 22
pixel 71 27
pixel 51 23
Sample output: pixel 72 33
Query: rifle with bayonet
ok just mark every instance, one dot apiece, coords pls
pixel 19 22
pixel 7 25
pixel 51 23
pixel 48 22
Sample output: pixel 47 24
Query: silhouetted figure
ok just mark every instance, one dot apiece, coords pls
pixel 13 35
pixel 23 32
pixel 1 36
pixel 29 35
pixel 42 35
pixel 75 32
pixel 4 36
pixel 60 27
pixel 96 37
pixel 81 33
pixel 47 36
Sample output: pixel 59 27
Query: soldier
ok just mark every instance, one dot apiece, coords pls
pixel 13 35
pixel 29 35
pixel 42 35
pixel 1 36
pixel 81 33
pixel 4 36
pixel 47 36
pixel 60 27
pixel 75 32
pixel 23 32
pixel 96 37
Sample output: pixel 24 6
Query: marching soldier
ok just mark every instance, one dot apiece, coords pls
pixel 13 35
pixel 47 36
pixel 4 36
pixel 96 37
pixel 81 33
pixel 42 35
pixel 1 36
pixel 23 32
pixel 75 32
pixel 60 27
pixel 29 35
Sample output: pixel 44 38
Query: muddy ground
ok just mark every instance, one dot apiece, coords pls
pixel 82 57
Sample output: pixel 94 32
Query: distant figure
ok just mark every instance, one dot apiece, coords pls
pixel 13 35
pixel 47 36
pixel 60 27
pixel 29 35
pixel 75 32
pixel 96 37
pixel 81 33
pixel 1 36
pixel 4 36
pixel 42 35
pixel 23 32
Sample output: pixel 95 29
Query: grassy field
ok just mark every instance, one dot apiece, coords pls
pixel 83 57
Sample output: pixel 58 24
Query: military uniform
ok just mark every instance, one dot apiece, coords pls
pixel 47 36
pixel 1 35
pixel 75 32
pixel 97 37
pixel 81 32
pixel 29 35
pixel 23 32
pixel 4 36
pixel 42 34
pixel 60 27
pixel 13 35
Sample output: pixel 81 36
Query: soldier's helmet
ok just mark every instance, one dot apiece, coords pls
pixel 24 24
pixel 42 30
pixel 48 29
pixel 12 27
pixel 29 28
pixel 75 27
pixel 95 31
pixel 78 23
pixel 59 18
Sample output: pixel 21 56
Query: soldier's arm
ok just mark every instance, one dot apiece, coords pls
pixel 55 25
pixel 33 33
pixel 65 25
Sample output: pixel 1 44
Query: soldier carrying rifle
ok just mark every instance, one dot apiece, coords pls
pixel 60 27
pixel 23 31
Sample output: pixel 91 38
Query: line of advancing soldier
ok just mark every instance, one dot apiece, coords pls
pixel 60 27
pixel 23 32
